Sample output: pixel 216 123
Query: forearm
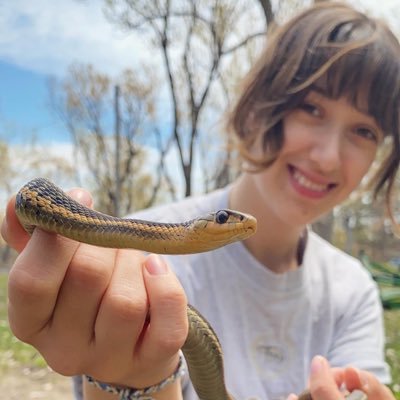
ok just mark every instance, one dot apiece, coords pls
pixel 170 392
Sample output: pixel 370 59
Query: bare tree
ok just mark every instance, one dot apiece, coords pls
pixel 267 8
pixel 19 163
pixel 193 39
pixel 84 100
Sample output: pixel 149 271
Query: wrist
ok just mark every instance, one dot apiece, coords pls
pixel 167 385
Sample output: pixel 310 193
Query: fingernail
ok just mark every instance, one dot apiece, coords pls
pixel 155 265
pixel 81 196
pixel 317 363
pixel 292 397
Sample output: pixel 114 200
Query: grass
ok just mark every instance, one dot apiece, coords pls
pixel 392 320
pixel 14 353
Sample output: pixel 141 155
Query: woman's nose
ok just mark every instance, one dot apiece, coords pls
pixel 326 150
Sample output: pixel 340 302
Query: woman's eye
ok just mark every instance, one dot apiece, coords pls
pixel 311 109
pixel 367 133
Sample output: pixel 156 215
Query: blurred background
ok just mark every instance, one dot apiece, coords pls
pixel 128 99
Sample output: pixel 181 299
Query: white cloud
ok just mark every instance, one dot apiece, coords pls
pixel 46 36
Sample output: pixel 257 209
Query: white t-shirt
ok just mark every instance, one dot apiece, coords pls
pixel 271 325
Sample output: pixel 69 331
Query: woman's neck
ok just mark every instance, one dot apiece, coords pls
pixel 275 244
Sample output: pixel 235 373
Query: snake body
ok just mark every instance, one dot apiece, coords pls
pixel 41 204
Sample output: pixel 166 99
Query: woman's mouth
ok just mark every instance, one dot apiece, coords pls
pixel 307 186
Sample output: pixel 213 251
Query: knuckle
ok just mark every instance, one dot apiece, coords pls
pixel 174 298
pixel 128 308
pixel 19 331
pixel 172 340
pixel 66 365
pixel 24 286
pixel 73 359
pixel 89 269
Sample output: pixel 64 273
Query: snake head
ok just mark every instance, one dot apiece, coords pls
pixel 225 226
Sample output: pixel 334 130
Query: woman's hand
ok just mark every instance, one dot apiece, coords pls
pixel 325 382
pixel 113 314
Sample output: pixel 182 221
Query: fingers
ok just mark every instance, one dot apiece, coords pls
pixel 36 277
pixel 11 230
pixel 167 303
pixel 325 383
pixel 322 382
pixel 123 312
pixel 168 326
pixel 84 285
pixel 368 383
pixel 112 314
pixel 141 322
pixel 34 282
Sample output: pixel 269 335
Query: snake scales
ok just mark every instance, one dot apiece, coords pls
pixel 42 204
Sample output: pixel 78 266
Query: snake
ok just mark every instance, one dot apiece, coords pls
pixel 42 204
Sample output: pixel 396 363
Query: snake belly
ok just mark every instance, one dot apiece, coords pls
pixel 42 204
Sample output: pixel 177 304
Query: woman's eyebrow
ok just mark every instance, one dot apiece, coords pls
pixel 319 93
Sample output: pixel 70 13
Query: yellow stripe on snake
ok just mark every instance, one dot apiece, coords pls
pixel 42 204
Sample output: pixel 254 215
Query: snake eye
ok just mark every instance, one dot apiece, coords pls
pixel 221 217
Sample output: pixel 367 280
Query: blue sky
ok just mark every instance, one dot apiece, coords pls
pixel 41 38
pixel 24 106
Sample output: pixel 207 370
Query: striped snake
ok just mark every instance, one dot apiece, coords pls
pixel 40 203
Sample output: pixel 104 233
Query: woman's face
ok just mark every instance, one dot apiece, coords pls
pixel 328 147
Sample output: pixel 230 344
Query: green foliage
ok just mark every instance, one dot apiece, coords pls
pixel 392 318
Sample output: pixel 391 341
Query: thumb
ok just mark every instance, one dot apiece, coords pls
pixel 368 383
pixel 11 229
pixel 82 196
pixel 322 383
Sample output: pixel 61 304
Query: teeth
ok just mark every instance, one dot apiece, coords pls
pixel 303 181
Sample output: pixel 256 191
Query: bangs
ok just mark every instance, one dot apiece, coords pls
pixel 370 81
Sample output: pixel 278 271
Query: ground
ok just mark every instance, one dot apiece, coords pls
pixel 39 384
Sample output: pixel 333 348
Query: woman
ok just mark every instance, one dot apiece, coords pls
pixel 314 111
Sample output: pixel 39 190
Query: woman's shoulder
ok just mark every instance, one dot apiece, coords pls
pixel 333 259
pixel 187 208
pixel 341 277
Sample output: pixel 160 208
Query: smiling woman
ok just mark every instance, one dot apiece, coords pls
pixel 329 61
